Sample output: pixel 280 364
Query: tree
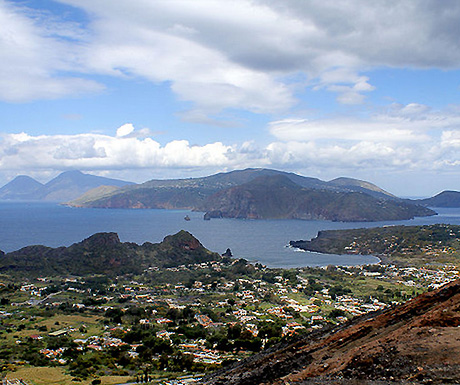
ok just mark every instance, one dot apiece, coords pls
pixel 234 332
pixel 336 313
pixel 270 330
pixel 114 315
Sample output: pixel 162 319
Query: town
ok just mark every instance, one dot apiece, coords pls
pixel 172 325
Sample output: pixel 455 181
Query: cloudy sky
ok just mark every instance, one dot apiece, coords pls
pixel 143 89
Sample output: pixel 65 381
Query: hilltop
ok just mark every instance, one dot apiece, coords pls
pixel 443 199
pixel 21 187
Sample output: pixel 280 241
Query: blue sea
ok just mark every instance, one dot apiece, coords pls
pixel 265 241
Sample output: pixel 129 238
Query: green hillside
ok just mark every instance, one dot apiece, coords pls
pixel 103 253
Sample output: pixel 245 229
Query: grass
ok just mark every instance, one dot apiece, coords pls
pixel 71 320
pixel 57 322
pixel 57 376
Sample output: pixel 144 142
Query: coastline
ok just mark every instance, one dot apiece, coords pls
pixel 300 250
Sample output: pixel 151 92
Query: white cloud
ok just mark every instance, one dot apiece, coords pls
pixel 311 158
pixel 219 54
pixel 405 137
pixel 34 62
pixel 412 123
pixel 77 148
pixel 125 130
pixel 411 137
pixel 102 152
pixel 346 129
pixel 450 139
pixel 138 39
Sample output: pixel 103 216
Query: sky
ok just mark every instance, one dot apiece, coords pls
pixel 154 89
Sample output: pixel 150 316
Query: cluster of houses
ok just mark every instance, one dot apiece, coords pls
pixel 244 301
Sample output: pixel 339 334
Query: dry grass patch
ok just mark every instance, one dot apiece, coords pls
pixel 62 321
pixel 42 376
pixel 113 380
pixel 68 320
pixel 57 376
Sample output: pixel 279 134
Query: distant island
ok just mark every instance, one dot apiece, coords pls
pixel 261 194
pixel 246 194
pixel 66 186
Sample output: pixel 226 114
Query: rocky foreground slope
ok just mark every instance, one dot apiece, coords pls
pixel 416 342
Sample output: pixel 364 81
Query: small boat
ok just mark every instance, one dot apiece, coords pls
pixel 187 218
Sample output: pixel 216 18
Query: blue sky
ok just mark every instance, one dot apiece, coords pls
pixel 144 89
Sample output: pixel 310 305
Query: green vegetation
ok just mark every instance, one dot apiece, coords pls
pixel 409 245
pixel 189 318
pixel 103 253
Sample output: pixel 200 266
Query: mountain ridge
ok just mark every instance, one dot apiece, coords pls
pixel 208 185
pixel 236 194
pixel 67 186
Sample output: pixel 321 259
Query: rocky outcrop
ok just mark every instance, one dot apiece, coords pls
pixel 182 240
pixel 101 240
pixel 212 214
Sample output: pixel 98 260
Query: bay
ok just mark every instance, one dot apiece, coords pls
pixel 265 241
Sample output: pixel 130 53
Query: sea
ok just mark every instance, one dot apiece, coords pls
pixel 264 241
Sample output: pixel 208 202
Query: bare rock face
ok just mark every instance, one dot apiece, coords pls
pixel 416 342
